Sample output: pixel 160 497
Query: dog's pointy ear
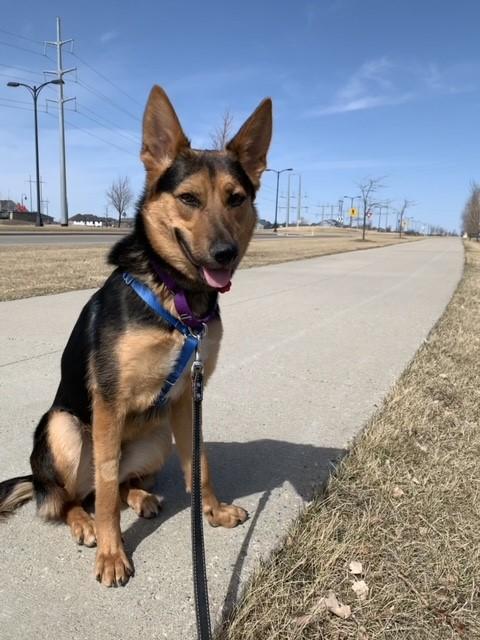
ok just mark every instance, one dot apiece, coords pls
pixel 163 137
pixel 251 143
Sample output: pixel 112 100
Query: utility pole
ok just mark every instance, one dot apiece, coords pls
pixel 288 204
pixel 278 172
pixel 60 72
pixel 299 201
pixel 380 207
pixel 30 182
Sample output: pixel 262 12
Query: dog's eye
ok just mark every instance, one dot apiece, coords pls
pixel 236 199
pixel 190 200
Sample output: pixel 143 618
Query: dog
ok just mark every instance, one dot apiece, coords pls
pixel 104 434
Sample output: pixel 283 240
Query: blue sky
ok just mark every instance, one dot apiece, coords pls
pixel 360 87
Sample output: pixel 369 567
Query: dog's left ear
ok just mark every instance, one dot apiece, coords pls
pixel 163 136
pixel 251 143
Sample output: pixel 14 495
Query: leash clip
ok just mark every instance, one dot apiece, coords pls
pixel 198 368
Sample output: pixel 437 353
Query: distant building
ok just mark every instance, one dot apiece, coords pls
pixel 10 210
pixel 7 207
pixel 89 220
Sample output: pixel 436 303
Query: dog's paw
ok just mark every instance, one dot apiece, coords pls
pixel 113 569
pixel 83 530
pixel 226 515
pixel 145 505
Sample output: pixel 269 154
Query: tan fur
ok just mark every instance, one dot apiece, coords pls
pixel 21 493
pixel 72 453
pixel 111 565
pixel 145 358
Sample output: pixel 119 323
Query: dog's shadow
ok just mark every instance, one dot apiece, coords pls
pixel 241 469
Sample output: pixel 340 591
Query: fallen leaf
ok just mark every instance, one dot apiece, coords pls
pixel 336 607
pixel 313 614
pixel 397 492
pixel 356 568
pixel 423 531
pixel 361 589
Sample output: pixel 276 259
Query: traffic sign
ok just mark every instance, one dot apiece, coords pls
pixel 353 212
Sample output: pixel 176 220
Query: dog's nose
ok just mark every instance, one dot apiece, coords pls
pixel 224 253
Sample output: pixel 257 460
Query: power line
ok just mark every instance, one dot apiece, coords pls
pixel 110 122
pixel 22 69
pixel 17 35
pixel 11 106
pixel 14 46
pixel 106 98
pixel 17 101
pixel 94 135
pixel 114 130
pixel 105 78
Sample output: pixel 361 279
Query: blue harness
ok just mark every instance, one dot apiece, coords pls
pixel 190 345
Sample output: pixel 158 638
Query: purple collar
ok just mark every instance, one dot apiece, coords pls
pixel 180 300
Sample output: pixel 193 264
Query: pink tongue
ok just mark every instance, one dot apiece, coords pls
pixel 217 278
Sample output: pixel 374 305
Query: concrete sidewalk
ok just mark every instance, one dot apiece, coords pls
pixel 310 350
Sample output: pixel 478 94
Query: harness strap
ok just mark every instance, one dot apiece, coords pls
pixel 190 344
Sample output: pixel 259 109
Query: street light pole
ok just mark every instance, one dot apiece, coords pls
pixel 38 221
pixel 34 91
pixel 278 172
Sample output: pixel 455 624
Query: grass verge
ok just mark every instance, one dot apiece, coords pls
pixel 34 270
pixel 405 503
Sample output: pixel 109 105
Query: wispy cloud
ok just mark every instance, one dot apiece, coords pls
pixel 108 36
pixel 381 82
pixel 370 86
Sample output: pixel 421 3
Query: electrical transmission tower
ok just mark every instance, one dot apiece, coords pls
pixel 59 73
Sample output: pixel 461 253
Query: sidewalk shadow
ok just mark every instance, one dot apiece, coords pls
pixel 240 469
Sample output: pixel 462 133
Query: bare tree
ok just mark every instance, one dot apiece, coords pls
pixel 401 212
pixel 368 195
pixel 120 196
pixel 471 213
pixel 223 133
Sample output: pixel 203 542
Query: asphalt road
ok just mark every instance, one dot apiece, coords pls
pixel 78 237
pixel 58 238
pixel 310 349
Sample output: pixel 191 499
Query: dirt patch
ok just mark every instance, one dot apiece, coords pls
pixel 404 503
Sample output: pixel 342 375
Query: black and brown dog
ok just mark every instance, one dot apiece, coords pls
pixel 103 432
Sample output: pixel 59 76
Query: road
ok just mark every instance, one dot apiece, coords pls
pixel 78 237
pixel 310 350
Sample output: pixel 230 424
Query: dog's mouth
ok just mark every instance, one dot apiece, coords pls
pixel 218 279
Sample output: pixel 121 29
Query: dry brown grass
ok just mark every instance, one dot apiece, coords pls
pixel 405 503
pixel 34 270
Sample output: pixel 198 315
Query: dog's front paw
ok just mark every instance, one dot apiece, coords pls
pixel 226 515
pixel 113 569
pixel 83 530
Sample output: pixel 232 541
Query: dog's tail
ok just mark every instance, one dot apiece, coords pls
pixel 14 493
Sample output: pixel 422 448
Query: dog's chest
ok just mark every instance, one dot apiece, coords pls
pixel 145 359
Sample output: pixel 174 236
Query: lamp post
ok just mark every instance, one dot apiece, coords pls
pixel 34 91
pixel 278 172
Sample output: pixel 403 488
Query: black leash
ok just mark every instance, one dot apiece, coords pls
pixel 200 586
